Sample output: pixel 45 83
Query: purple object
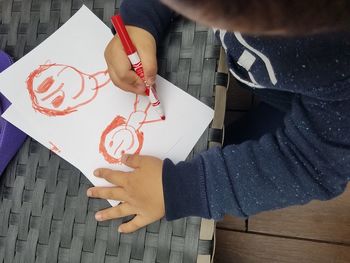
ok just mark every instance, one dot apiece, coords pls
pixel 11 138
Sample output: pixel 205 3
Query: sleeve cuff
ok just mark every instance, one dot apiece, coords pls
pixel 150 15
pixel 184 189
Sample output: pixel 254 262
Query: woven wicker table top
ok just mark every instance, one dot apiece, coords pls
pixel 45 215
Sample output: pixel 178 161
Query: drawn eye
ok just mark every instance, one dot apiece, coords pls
pixel 57 101
pixel 45 85
pixel 111 144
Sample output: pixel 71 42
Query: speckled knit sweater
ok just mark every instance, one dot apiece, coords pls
pixel 307 158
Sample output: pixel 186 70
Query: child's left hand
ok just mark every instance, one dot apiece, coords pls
pixel 141 192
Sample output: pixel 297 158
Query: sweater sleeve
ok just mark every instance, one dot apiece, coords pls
pixel 150 15
pixel 308 159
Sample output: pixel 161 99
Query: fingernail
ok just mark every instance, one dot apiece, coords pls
pixel 97 173
pixel 98 216
pixel 89 192
pixel 120 229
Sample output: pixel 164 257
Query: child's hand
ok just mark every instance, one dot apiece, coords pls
pixel 119 67
pixel 140 191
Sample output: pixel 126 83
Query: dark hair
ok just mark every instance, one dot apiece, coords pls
pixel 291 16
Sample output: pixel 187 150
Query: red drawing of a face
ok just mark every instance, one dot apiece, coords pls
pixel 119 138
pixel 57 89
pixel 124 136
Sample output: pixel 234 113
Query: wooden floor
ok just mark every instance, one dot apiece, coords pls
pixel 318 232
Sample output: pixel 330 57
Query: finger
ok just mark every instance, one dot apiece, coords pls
pixel 125 86
pixel 132 160
pixel 116 56
pixel 136 223
pixel 134 88
pixel 130 78
pixel 122 67
pixel 119 66
pixel 113 193
pixel 121 210
pixel 115 177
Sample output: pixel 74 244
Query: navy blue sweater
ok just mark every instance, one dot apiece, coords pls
pixel 308 158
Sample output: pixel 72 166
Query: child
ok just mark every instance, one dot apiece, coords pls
pixel 295 55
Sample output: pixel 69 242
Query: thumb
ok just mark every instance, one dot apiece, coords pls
pixel 136 223
pixel 149 63
pixel 150 67
pixel 147 49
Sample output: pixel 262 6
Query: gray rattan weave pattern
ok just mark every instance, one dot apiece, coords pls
pixel 45 215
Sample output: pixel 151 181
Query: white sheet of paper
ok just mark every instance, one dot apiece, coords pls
pixel 58 98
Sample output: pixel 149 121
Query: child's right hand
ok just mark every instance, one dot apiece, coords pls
pixel 119 67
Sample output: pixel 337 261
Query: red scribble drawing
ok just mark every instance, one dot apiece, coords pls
pixel 124 135
pixel 59 89
pixel 54 148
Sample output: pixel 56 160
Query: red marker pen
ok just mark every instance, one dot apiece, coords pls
pixel 135 60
